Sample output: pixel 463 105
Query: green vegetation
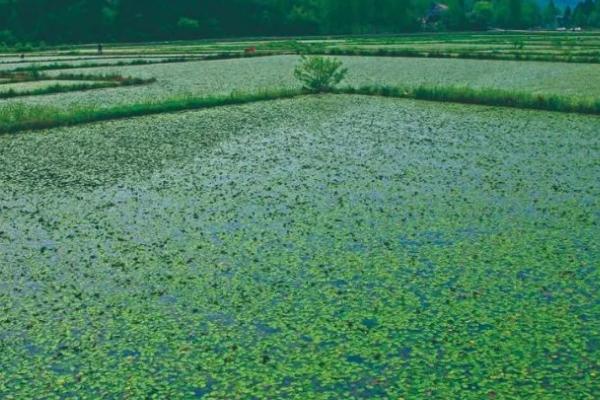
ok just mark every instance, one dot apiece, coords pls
pixel 491 97
pixel 88 21
pixel 221 77
pixel 56 88
pixel 433 53
pixel 136 62
pixel 320 74
pixel 33 74
pixel 18 117
pixel 317 74
pixel 70 65
pixel 531 46
pixel 321 247
pixel 255 233
pixel 67 83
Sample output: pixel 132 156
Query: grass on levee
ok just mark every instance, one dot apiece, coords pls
pixel 141 62
pixel 489 97
pixel 463 54
pixel 19 117
pixel 62 65
pixel 90 82
pixel 33 75
pixel 57 88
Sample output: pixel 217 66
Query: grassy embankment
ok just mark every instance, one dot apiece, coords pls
pixel 19 117
pixel 57 65
pixel 590 58
pixel 83 82
pixel 488 97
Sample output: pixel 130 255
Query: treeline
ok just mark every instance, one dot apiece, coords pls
pixel 585 14
pixel 83 21
pixel 523 14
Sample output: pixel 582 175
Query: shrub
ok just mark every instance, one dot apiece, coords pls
pixel 320 74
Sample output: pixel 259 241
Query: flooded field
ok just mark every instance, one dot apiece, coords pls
pixel 324 247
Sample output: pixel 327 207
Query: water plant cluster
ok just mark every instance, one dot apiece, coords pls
pixel 316 247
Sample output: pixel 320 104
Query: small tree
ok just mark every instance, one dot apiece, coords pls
pixel 320 74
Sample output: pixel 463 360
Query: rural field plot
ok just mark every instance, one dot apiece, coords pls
pixel 225 76
pixel 323 247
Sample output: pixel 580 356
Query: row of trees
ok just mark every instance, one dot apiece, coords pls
pixel 76 21
pixel 585 14
pixel 517 14
pixel 483 14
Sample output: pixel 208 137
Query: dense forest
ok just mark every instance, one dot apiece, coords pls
pixel 79 21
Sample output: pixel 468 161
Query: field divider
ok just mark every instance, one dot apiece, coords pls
pixel 84 83
pixel 144 62
pixel 21 117
pixel 461 54
pixel 487 97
